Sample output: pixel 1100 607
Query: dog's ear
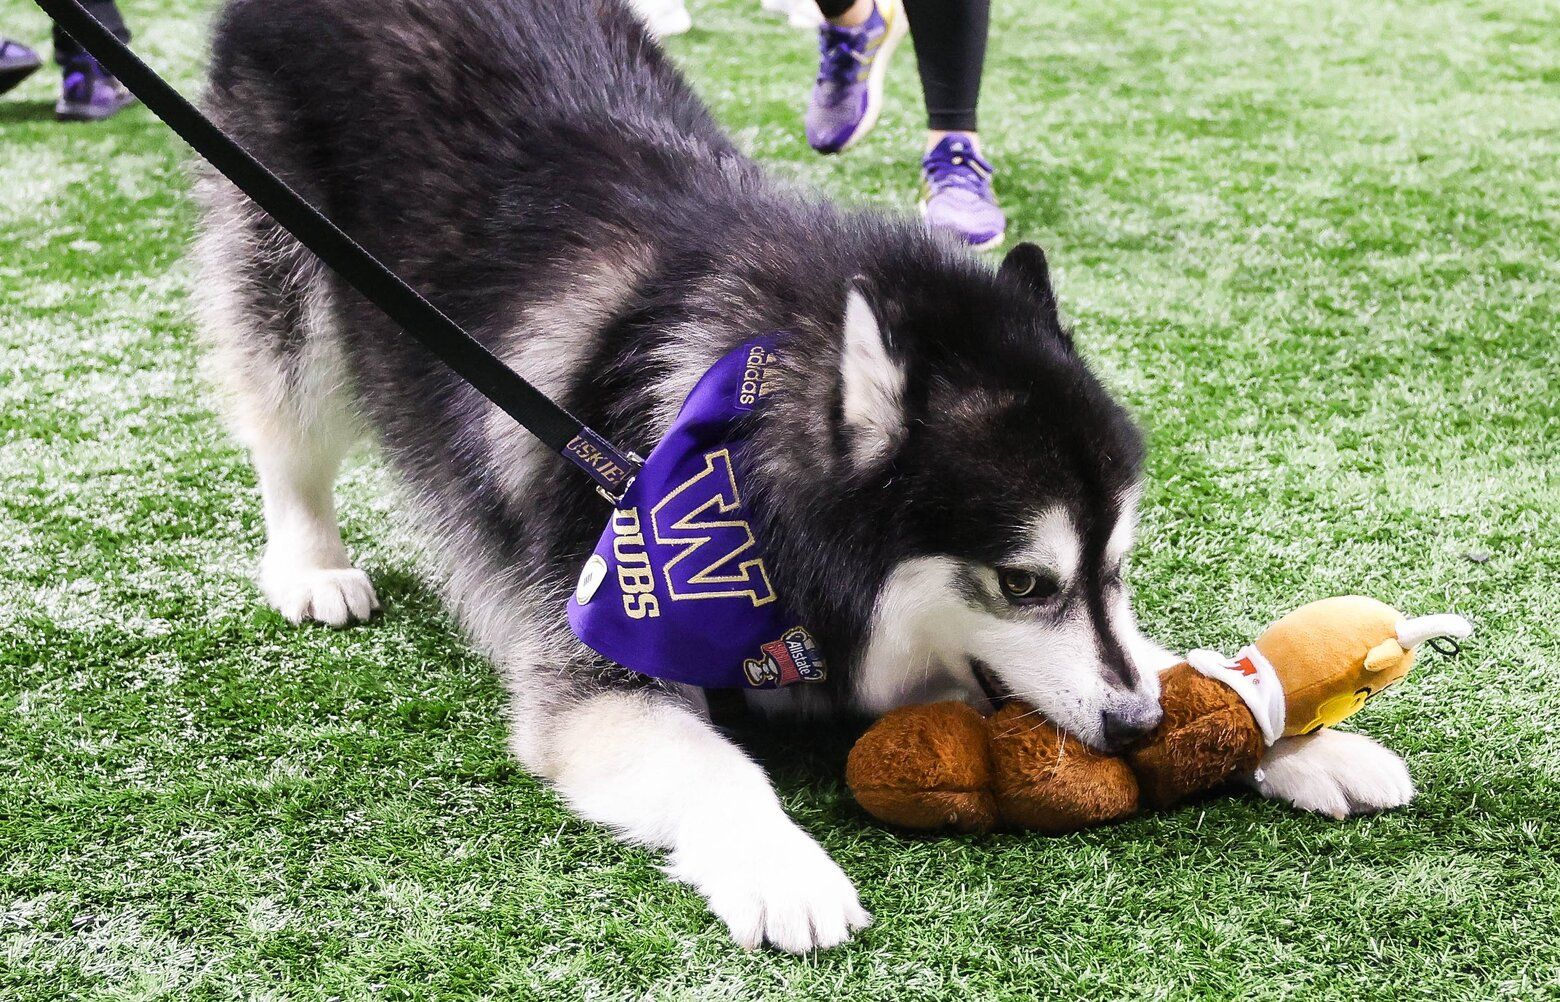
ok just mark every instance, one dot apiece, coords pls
pixel 872 382
pixel 1026 266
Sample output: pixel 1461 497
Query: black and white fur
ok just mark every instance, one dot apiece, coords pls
pixel 542 173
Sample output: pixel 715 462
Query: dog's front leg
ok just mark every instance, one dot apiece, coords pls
pixel 1335 773
pixel 650 767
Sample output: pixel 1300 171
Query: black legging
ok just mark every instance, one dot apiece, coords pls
pixel 66 48
pixel 950 50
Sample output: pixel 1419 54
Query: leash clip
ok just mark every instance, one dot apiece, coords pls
pixel 615 498
pixel 612 468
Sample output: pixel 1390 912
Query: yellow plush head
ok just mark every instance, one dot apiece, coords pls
pixel 1334 654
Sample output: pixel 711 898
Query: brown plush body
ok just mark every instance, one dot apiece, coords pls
pixel 1050 782
pixel 1207 736
pixel 943 765
pixel 926 766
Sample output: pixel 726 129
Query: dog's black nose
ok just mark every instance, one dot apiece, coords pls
pixel 1125 725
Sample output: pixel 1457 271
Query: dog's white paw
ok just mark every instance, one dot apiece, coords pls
pixel 333 596
pixel 778 887
pixel 1334 773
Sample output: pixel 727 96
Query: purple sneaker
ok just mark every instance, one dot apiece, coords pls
pixel 90 93
pixel 957 198
pixel 17 63
pixel 852 64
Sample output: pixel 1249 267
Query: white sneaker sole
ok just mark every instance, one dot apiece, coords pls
pixel 898 28
pixel 989 243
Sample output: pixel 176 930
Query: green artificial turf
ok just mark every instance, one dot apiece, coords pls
pixel 1313 244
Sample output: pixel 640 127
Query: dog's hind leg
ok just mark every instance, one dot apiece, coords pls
pixel 266 316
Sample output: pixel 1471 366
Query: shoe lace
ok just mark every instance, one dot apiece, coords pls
pixel 843 54
pixel 957 167
pixel 88 67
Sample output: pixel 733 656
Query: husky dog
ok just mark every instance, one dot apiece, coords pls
pixel 949 494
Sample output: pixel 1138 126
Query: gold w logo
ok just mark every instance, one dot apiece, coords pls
pixel 717 555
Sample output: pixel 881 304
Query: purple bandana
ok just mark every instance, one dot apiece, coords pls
pixel 678 588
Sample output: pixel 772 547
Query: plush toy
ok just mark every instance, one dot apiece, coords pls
pixel 943 765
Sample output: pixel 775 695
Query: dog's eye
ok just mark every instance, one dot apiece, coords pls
pixel 1026 587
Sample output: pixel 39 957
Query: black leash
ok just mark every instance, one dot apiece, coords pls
pixel 612 469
